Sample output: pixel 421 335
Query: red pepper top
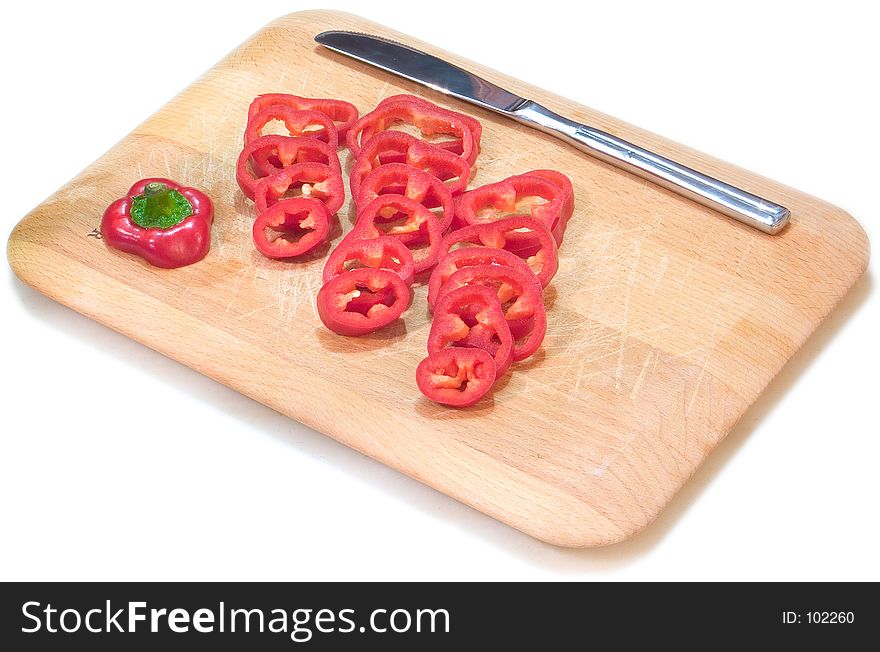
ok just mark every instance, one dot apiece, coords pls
pixel 163 222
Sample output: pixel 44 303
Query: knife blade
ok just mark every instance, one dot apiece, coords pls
pixel 444 77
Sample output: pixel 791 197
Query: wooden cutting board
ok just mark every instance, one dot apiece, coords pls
pixel 666 320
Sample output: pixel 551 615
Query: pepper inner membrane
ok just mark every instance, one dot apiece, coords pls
pixel 276 127
pixel 435 138
pixel 525 244
pixel 429 198
pixel 292 229
pixel 271 156
pixel 481 337
pixel 388 262
pixel 527 247
pixel 302 188
pixel 362 299
pixel 456 381
pixel 392 155
pixel 452 376
pixel 448 179
pixel 502 207
pixel 507 295
pixel 391 221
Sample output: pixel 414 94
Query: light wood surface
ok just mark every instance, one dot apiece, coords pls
pixel 665 321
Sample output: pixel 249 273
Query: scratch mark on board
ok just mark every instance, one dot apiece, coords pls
pixel 630 283
pixel 638 384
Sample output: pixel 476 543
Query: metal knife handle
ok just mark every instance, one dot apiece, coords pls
pixel 718 195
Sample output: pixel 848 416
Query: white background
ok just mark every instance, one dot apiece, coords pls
pixel 95 483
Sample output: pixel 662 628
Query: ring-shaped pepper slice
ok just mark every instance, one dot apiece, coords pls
pixel 522 305
pixel 412 183
pixel 300 124
pixel 400 147
pixel 567 188
pixel 450 145
pixel 343 114
pixel 470 257
pixel 408 221
pixel 456 377
pixel 383 252
pixel 523 236
pixel 311 180
pixel 471 316
pixel 361 301
pixel 292 227
pixel 280 152
pixel 431 121
pixel 521 194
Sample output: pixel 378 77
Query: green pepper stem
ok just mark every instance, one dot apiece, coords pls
pixel 159 207
pixel 154 187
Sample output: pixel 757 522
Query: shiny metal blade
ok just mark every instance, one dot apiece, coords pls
pixel 422 68
pixel 444 77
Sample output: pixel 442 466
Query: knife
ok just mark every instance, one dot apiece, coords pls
pixel 444 77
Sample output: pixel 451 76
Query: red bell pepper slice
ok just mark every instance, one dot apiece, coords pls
pixel 430 120
pixel 280 152
pixel 383 252
pixel 362 300
pixel 165 223
pixel 524 236
pixel 457 377
pixel 404 219
pixel 521 194
pixel 450 145
pixel 300 124
pixel 567 188
pixel 343 114
pixel 471 256
pixel 399 147
pixel 413 183
pixel 292 227
pixel 313 180
pixel 396 215
pixel 471 316
pixel 522 304
pixel 312 125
